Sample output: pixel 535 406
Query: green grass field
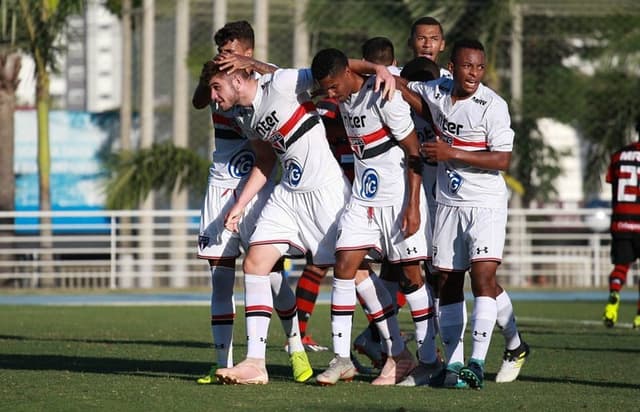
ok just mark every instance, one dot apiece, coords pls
pixel 147 358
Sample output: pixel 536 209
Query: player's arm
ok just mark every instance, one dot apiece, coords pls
pixel 383 76
pixel 202 94
pixel 231 62
pixel 411 217
pixel 416 102
pixel 441 151
pixel 265 161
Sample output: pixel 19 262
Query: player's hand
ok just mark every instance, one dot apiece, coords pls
pixel 385 79
pixel 230 62
pixel 232 219
pixel 410 220
pixel 436 151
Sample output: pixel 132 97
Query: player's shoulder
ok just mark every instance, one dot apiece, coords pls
pixel 486 96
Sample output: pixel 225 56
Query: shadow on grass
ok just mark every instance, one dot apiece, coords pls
pixel 183 370
pixel 599 384
pixel 168 343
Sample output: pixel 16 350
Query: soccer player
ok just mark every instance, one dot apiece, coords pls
pixel 280 120
pixel 625 225
pixel 427 39
pixel 232 160
pixel 474 146
pixel 386 215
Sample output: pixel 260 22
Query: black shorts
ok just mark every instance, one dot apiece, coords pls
pixel 625 249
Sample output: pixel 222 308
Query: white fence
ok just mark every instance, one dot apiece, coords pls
pixel 130 249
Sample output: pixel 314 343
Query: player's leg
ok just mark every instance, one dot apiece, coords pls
pixel 258 309
pixel 343 303
pixel 516 350
pixel 307 290
pixel 622 255
pixel 284 302
pixel 483 320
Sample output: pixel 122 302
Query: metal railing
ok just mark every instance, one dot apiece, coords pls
pixel 107 249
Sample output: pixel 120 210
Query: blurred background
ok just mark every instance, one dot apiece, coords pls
pixel 95 99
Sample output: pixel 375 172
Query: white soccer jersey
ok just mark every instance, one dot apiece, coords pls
pixel 283 115
pixel 232 157
pixel 480 122
pixel 374 126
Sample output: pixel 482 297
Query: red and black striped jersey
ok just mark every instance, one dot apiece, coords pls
pixel 622 174
pixel 336 135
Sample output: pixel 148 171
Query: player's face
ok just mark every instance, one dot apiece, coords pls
pixel 235 47
pixel 468 70
pixel 427 41
pixel 336 86
pixel 222 91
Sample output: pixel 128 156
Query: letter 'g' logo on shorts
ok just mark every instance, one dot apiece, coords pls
pixel 241 163
pixel 455 181
pixel 292 172
pixel 369 186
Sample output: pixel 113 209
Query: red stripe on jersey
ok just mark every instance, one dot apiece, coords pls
pixel 455 141
pixel 626 208
pixel 374 136
pixel 219 120
pixel 303 109
pixel 259 308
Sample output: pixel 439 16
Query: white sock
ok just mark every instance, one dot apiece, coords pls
pixel 343 303
pixel 223 313
pixel 284 302
pixel 258 308
pixel 420 305
pixel 427 351
pixel 453 321
pixel 376 297
pixel 506 321
pixel 483 320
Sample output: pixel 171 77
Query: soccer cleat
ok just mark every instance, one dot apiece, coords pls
pixel 339 369
pixel 251 371
pixel 512 362
pixel 636 322
pixel 449 377
pixel 396 369
pixel 610 316
pixel 366 345
pixel 473 374
pixel 210 378
pixel 302 370
pixel 311 345
pixel 422 374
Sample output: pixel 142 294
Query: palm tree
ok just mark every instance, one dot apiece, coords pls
pixel 45 22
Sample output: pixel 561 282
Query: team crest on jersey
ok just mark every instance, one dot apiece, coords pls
pixel 292 172
pixel 203 241
pixel 277 142
pixel 357 146
pixel 241 163
pixel 369 184
pixel 455 181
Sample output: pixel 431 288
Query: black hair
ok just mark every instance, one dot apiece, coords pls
pixel 378 50
pixel 328 62
pixel 425 21
pixel 465 44
pixel 420 69
pixel 236 30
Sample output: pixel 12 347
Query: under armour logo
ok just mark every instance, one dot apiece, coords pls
pixel 218 345
pixel 484 249
pixel 412 250
pixel 339 334
pixel 203 241
pixel 483 334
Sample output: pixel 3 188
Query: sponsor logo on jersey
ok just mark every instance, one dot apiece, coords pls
pixel 369 184
pixel 447 126
pixel 241 163
pixel 354 122
pixel 633 156
pixel 292 172
pixel 264 126
pixel 481 102
pixel 455 181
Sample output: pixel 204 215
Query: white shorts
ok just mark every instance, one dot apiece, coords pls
pixel 301 222
pixel 464 235
pixel 379 229
pixel 214 241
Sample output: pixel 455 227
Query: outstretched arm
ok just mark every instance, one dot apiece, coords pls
pixel 265 161
pixel 383 76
